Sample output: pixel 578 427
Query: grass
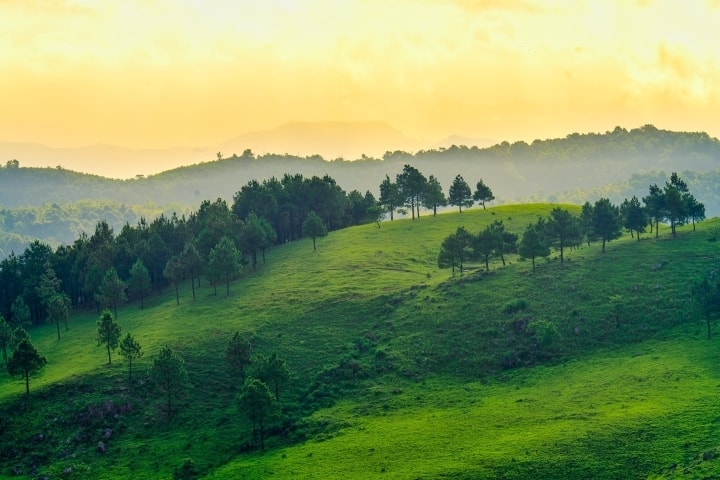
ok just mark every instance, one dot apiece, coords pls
pixel 438 394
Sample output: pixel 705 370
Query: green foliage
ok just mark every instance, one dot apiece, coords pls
pixel 7 336
pixel 514 305
pixel 111 293
pixel 130 349
pixel 58 310
pixel 313 227
pixel 108 332
pixel 483 193
pixel 459 194
pixel 25 361
pixel 256 401
pixel 169 375
pixel 239 354
pixel 139 282
pixel 544 332
pixel 224 262
pixel 271 370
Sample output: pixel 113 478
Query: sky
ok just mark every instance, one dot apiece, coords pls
pixel 162 73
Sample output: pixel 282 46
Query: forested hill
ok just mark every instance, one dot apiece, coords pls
pixel 515 172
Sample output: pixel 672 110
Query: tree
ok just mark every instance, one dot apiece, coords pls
pixel 192 263
pixel 455 250
pixel 224 262
pixel 695 209
pixel 412 186
pixel 606 221
pixel 532 244
pixel 633 216
pixel 112 291
pixel 256 402
pixel 705 292
pixel 460 194
pixel 313 227
pixel 389 196
pixel 560 228
pixel 58 310
pixel 434 196
pixel 239 354
pixel 131 350
pixel 506 241
pixel 483 194
pixel 139 282
pixel 485 244
pixel 272 371
pixel 173 271
pixel 7 336
pixel 20 312
pixel 169 375
pixel 108 332
pixel 655 206
pixel 675 207
pixel 25 361
pixel 586 222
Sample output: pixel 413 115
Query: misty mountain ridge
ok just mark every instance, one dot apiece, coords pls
pixel 331 140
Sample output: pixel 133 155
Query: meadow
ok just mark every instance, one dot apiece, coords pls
pixel 595 368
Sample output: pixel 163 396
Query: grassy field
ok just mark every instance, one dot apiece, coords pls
pixel 604 373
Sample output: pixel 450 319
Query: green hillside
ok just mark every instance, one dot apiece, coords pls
pixel 595 368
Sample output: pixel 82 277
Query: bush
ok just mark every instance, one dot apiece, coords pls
pixel 514 305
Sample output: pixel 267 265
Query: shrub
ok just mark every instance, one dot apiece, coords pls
pixel 514 305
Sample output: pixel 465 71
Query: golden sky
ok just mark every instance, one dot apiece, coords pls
pixel 157 73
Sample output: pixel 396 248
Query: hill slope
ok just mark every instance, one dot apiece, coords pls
pixel 436 392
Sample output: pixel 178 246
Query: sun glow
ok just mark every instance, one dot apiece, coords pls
pixel 163 73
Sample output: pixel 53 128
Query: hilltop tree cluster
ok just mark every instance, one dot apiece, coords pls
pixel 601 221
pixel 411 189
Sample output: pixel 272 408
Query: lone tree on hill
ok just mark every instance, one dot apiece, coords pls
pixel 108 332
pixel 169 375
pixel 586 223
pixel 256 402
pixel 532 245
pixel 606 221
pixel 313 227
pixel 705 291
pixel 483 194
pixel 131 350
pixel 139 282
pixel 239 354
pixel 25 361
pixel 460 194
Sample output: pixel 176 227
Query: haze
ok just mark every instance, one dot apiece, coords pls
pixel 169 73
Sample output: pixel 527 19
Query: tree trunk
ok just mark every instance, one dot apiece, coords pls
pixel 603 247
pixel 227 287
pixel 58 328
pixel 314 248
pixel 192 282
pixel 27 382
pixel 177 295
pixel 109 359
pixel 707 317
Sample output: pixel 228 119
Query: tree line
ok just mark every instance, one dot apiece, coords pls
pixel 602 221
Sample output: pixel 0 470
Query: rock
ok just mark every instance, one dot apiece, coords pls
pixel 101 447
pixel 67 471
pixel 107 433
